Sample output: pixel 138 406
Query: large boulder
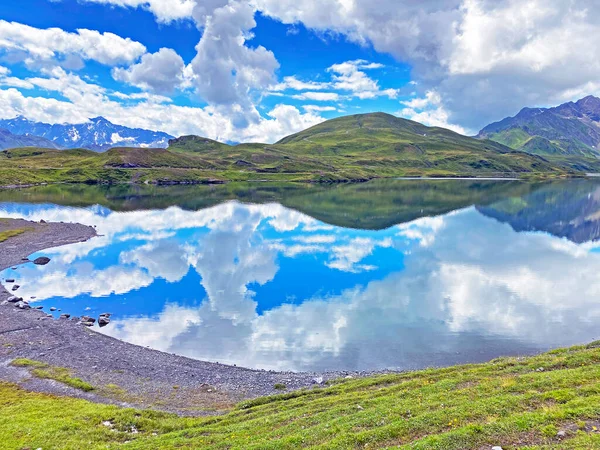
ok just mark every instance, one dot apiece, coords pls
pixel 41 261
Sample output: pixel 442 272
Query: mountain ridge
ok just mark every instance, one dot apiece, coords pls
pixel 11 140
pixel 572 128
pixel 98 134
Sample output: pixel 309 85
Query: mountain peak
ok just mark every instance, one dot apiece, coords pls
pixel 590 105
pixel 100 119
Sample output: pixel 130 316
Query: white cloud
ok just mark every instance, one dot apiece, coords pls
pixel 298 85
pixel 162 72
pixel 486 59
pixel 350 76
pixel 53 45
pixel 165 11
pixel 88 100
pixel 225 70
pixel 429 110
pixel 317 108
pixel 317 96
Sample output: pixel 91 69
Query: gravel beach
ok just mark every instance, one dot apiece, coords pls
pixel 121 373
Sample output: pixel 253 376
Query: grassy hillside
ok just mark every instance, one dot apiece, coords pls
pixel 349 148
pixel 551 401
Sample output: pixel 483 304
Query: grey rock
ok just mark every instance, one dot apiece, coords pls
pixel 15 287
pixel 10 280
pixel 52 308
pixel 39 307
pixel 87 319
pixel 103 320
pixel 41 261
pixel 13 299
pixel 22 305
pixel 65 316
pixel 561 434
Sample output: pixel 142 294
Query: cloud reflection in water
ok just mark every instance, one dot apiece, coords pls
pixel 268 287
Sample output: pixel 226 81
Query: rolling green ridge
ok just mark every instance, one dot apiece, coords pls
pixel 352 148
pixel 508 402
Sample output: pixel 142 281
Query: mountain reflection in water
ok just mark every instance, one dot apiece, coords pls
pixel 390 274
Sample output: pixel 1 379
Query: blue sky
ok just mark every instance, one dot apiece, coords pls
pixel 256 70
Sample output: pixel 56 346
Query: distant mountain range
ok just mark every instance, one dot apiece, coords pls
pixel 97 134
pixel 10 140
pixel 572 128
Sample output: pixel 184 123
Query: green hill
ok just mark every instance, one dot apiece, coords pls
pixel 352 148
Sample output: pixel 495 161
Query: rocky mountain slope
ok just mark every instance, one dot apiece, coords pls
pixel 572 128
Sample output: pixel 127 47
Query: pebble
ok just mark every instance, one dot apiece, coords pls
pixel 561 434
pixel 497 448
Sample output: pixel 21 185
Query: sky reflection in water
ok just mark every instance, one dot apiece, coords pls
pixel 265 286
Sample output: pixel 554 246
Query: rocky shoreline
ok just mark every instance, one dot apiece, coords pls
pixel 120 372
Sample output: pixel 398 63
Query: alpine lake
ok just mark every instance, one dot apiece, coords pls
pixel 389 274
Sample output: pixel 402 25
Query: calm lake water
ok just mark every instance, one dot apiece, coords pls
pixel 389 274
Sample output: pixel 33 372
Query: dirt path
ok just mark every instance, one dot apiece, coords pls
pixel 121 373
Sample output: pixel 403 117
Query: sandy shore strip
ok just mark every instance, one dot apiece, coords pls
pixel 121 373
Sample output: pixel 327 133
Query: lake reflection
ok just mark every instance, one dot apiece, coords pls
pixel 266 286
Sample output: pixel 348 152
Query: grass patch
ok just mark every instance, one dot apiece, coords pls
pixel 505 402
pixel 5 235
pixel 61 374
pixel 280 386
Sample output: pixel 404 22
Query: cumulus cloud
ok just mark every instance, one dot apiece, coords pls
pixel 351 76
pixel 429 110
pixel 295 84
pixel 162 72
pixel 86 100
pixel 53 45
pixel 165 11
pixel 225 70
pixel 486 59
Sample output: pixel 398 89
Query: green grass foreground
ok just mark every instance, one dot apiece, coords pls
pixel 510 402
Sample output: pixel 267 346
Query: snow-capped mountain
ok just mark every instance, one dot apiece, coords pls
pixel 96 134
